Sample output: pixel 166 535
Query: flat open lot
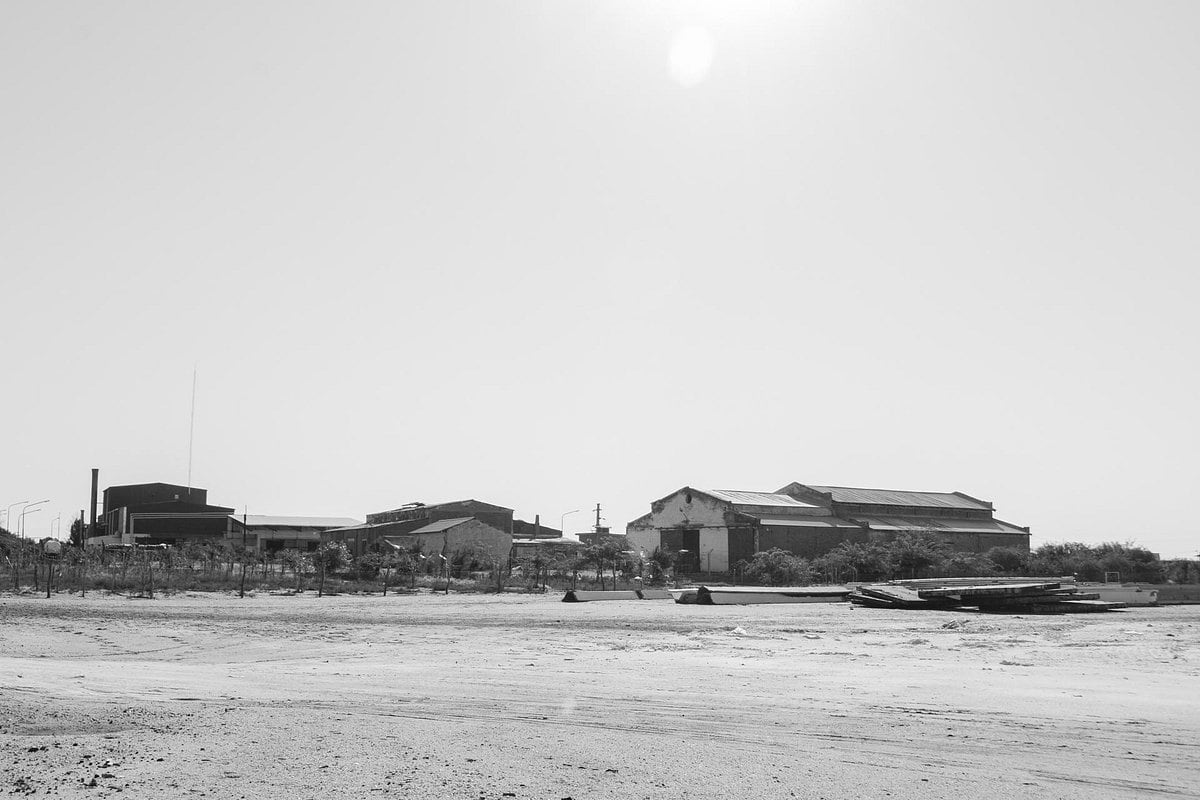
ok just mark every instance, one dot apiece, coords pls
pixel 523 696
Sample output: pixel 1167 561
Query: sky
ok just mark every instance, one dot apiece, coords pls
pixel 549 255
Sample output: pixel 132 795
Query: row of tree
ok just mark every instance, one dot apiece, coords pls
pixel 228 566
pixel 926 555
pixel 211 566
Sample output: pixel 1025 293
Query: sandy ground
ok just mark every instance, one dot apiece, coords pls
pixel 526 697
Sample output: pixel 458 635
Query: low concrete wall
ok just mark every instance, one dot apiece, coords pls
pixel 1172 594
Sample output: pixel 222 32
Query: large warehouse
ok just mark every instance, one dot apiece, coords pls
pixel 715 528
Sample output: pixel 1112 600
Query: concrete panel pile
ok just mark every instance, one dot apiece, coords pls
pixel 1011 596
pixel 750 595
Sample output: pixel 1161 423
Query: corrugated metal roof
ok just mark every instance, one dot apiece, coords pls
pixel 269 521
pixel 810 522
pixel 890 497
pixel 441 525
pixel 756 498
pixel 365 526
pixel 940 525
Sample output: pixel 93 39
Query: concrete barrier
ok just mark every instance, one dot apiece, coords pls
pixel 580 596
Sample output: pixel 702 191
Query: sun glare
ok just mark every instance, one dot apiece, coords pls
pixel 691 56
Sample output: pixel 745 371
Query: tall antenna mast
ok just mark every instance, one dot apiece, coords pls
pixel 191 431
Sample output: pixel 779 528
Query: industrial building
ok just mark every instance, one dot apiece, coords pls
pixel 270 534
pixel 534 541
pixel 714 529
pixel 442 528
pixel 166 513
pixel 533 530
pixel 158 513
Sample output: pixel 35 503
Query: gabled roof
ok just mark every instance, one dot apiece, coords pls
pixel 441 525
pixel 740 498
pixel 892 497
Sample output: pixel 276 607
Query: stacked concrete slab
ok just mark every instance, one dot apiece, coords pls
pixel 1017 595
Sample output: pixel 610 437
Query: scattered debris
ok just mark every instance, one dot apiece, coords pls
pixel 582 596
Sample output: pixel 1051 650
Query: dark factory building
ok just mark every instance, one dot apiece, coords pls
pixel 159 513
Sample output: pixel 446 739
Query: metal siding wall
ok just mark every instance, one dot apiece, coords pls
pixel 741 545
pixel 714 549
pixel 807 542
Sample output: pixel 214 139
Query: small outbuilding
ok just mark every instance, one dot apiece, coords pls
pixel 546 549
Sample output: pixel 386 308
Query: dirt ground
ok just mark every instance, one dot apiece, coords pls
pixel 527 697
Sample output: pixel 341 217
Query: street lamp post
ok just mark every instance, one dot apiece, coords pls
pixel 8 511
pixel 21 521
pixel 26 510
pixel 562 521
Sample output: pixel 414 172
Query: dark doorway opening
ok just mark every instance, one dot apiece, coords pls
pixel 685 544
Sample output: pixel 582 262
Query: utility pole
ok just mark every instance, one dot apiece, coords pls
pixel 242 589
pixel 82 556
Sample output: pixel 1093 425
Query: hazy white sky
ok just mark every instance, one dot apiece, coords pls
pixel 553 254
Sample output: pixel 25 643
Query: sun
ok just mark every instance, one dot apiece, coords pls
pixel 691 56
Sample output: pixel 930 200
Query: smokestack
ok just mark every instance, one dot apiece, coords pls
pixel 95 491
pixel 537 526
